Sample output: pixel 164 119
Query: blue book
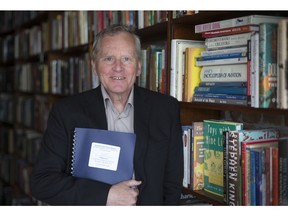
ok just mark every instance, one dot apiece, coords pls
pixel 222 90
pixel 103 155
pixel 252 177
pixel 232 84
pixel 222 96
pixel 222 56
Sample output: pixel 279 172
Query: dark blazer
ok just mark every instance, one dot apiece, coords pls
pixel 158 160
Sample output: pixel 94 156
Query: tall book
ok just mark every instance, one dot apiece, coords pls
pixel 268 65
pixel 283 171
pixel 198 156
pixel 102 155
pixel 238 21
pixel 178 47
pixel 192 72
pixel 234 145
pixel 282 66
pixel 186 140
pixel 213 153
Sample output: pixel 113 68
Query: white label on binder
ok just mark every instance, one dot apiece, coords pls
pixel 104 156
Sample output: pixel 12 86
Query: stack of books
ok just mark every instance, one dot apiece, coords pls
pixel 234 64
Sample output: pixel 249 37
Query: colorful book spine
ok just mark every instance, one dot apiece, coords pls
pixel 192 77
pixel 222 90
pixel 230 31
pixel 222 56
pixel 198 156
pixel 224 73
pixel 213 153
pixel 268 65
pixel 239 21
pixel 221 96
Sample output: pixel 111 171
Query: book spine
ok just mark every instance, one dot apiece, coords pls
pixel 233 166
pixel 232 84
pixel 283 171
pixel 220 101
pixel 227 41
pixel 258 177
pixel 275 178
pixel 222 90
pixel 221 96
pixel 239 21
pixel 223 51
pixel 198 156
pixel 222 56
pixel 268 65
pixel 225 166
pixel 224 73
pixel 230 31
pixel 223 61
pixel 252 177
pixel 254 70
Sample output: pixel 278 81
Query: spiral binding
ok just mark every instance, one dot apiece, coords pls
pixel 73 152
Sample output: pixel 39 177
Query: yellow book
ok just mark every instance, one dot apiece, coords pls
pixel 192 72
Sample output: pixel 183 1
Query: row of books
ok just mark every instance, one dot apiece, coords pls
pixel 252 48
pixel 153 70
pixel 243 166
pixel 19 110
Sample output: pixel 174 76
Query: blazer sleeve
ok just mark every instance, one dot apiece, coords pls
pixel 51 181
pixel 174 168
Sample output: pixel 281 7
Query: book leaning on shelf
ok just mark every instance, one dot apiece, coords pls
pixel 103 155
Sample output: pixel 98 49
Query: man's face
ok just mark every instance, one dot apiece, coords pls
pixel 117 65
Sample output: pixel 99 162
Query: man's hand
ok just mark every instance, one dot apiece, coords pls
pixel 123 193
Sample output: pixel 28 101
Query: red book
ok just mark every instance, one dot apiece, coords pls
pixel 275 192
pixel 230 31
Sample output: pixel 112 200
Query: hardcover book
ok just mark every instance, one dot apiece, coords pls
pixel 198 156
pixel 103 155
pixel 268 65
pixel 239 21
pixel 224 73
pixel 247 196
pixel 235 146
pixel 178 47
pixel 213 153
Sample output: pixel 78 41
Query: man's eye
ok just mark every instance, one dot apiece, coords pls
pixel 109 58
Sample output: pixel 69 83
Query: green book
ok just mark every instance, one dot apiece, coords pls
pixel 213 153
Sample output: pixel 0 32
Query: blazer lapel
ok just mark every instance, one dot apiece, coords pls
pixel 141 124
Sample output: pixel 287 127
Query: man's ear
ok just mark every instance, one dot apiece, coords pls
pixel 93 67
pixel 139 69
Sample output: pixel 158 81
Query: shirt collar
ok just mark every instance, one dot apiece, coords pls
pixel 107 98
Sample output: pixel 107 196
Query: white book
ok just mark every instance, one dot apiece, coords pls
pixel 223 51
pixel 228 41
pixel 238 21
pixel 254 70
pixel 224 73
pixel 223 61
pixel 178 47
pixel 282 70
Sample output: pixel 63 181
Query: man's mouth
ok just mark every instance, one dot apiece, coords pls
pixel 118 78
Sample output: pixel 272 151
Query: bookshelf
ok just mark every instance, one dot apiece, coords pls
pixel 20 133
